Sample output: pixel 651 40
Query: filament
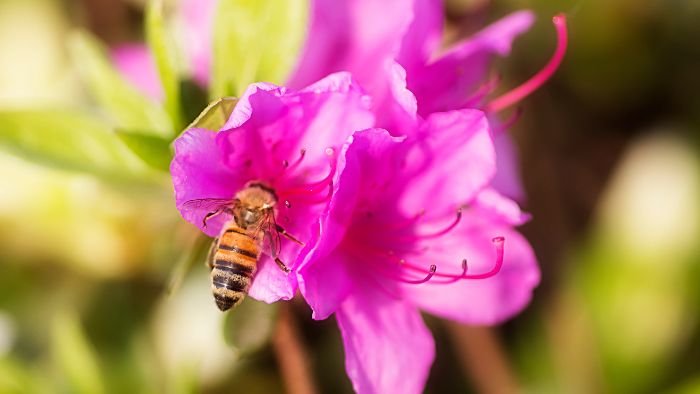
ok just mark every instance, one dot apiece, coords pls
pixel 402 224
pixel 436 234
pixel 541 77
pixel 498 243
pixel 315 187
pixel 508 123
pixel 285 163
pixel 482 91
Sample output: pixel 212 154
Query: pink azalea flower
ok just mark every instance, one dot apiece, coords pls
pixel 414 225
pixel 278 137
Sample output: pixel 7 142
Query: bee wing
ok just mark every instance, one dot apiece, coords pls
pixel 271 237
pixel 208 204
pixel 206 208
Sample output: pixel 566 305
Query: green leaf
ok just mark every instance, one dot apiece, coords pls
pixel 154 151
pixel 249 326
pixel 67 140
pixel 215 114
pixel 127 107
pixel 255 40
pixel 164 53
pixel 75 356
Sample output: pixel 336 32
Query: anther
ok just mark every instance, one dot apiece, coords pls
pixel 431 272
pixel 541 77
pixel 287 204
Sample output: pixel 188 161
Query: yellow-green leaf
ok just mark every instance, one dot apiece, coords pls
pixel 68 140
pixel 215 114
pixel 126 106
pixel 255 40
pixel 163 50
pixel 75 356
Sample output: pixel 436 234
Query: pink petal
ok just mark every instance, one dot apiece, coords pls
pixel 388 349
pixel 357 36
pixel 241 113
pixel 507 179
pixel 396 106
pixel 135 63
pixel 323 277
pixel 271 284
pixel 497 207
pixel 198 172
pixel 423 35
pixel 453 163
pixel 477 301
pixel 319 117
pixel 448 82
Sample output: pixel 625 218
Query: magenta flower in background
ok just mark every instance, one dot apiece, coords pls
pixel 283 138
pixel 195 23
pixel 136 63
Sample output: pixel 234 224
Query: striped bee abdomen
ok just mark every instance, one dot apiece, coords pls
pixel 233 266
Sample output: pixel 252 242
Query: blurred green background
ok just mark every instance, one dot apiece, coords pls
pixel 90 242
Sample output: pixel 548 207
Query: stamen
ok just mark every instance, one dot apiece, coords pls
pixel 482 91
pixel 405 223
pixel 413 237
pixel 465 268
pixel 314 187
pixel 498 242
pixel 431 272
pixel 541 77
pixel 287 204
pixel 508 123
pixel 302 154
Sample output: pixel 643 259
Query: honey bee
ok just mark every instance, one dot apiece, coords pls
pixel 234 254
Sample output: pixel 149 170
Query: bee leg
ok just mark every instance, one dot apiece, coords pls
pixel 209 216
pixel 214 213
pixel 284 233
pixel 212 252
pixel 282 266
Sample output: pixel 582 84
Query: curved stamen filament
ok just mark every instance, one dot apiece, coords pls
pixel 482 91
pixel 508 123
pixel 439 233
pixel 498 242
pixel 541 77
pixel 431 272
pixel 402 224
pixel 315 187
pixel 308 200
pixel 285 163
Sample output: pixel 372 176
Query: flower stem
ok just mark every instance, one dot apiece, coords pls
pixel 291 355
pixel 483 359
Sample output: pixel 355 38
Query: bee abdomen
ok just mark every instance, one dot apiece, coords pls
pixel 232 270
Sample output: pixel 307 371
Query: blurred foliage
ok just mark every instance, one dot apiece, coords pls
pixel 103 287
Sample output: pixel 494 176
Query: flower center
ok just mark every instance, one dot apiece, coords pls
pixel 309 193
